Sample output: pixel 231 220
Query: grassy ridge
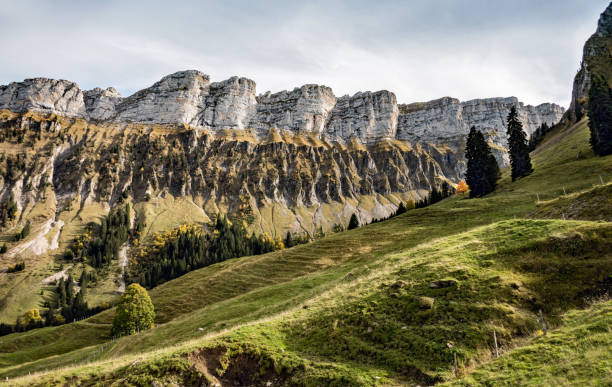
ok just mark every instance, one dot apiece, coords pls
pixel 451 239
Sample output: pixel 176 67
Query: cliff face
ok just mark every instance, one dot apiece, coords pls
pixel 188 97
pixel 596 59
pixel 69 164
pixel 448 121
pixel 313 157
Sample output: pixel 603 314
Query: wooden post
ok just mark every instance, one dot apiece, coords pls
pixel 600 179
pixel 538 196
pixel 564 191
pixel 496 349
pixel 542 322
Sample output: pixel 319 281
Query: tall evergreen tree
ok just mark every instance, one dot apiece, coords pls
pixel 600 116
pixel 353 222
pixel 520 161
pixel 482 169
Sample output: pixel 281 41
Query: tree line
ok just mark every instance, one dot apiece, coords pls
pixel 189 248
pixel 483 171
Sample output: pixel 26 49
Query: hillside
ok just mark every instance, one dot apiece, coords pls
pixel 388 303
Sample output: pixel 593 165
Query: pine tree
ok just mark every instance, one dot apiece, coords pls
pixel 353 222
pixel 600 116
pixel 288 240
pixel 482 169
pixel 518 150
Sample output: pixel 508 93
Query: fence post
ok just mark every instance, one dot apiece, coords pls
pixel 496 349
pixel 542 322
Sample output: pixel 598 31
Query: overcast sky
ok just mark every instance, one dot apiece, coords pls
pixel 421 50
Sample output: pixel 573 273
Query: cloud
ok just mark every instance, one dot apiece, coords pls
pixel 419 50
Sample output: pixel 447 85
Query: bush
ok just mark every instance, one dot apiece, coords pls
pixel 25 231
pixel 16 267
pixel 134 313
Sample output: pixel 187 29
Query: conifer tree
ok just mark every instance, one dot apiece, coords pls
pixel 482 169
pixel 518 150
pixel 600 116
pixel 353 222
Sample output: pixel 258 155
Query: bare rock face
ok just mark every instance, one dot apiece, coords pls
pixel 596 59
pixel 367 117
pixel 43 94
pixel 228 105
pixel 304 109
pixel 176 98
pixel 100 104
pixel 188 97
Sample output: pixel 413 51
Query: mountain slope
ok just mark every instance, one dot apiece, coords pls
pixel 353 264
pixel 578 353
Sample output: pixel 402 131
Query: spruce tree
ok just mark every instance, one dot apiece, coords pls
pixel 353 222
pixel 482 169
pixel 600 116
pixel 518 150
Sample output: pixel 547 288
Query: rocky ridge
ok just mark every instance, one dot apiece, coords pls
pixel 188 97
pixel 295 160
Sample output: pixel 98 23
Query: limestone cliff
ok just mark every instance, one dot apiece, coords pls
pixel 294 160
pixel 596 59
pixel 188 97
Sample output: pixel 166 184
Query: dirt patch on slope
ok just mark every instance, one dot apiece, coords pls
pixel 232 369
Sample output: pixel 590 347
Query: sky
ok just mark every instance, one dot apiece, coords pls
pixel 420 50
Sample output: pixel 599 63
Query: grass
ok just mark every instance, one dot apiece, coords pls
pixel 591 204
pixel 578 354
pixel 334 311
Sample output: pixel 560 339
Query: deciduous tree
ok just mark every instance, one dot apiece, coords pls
pixel 134 313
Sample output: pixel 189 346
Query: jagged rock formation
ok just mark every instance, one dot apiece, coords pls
pixel 188 97
pixel 43 95
pixel 86 163
pixel 226 148
pixel 596 59
pixel 305 109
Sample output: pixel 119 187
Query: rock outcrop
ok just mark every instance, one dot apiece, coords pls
pixel 100 104
pixel 176 98
pixel 305 109
pixel 367 117
pixel 43 95
pixel 596 59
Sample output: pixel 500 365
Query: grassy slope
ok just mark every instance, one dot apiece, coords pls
pixel 242 291
pixel 578 353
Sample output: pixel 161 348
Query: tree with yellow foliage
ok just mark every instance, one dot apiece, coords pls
pixel 462 188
